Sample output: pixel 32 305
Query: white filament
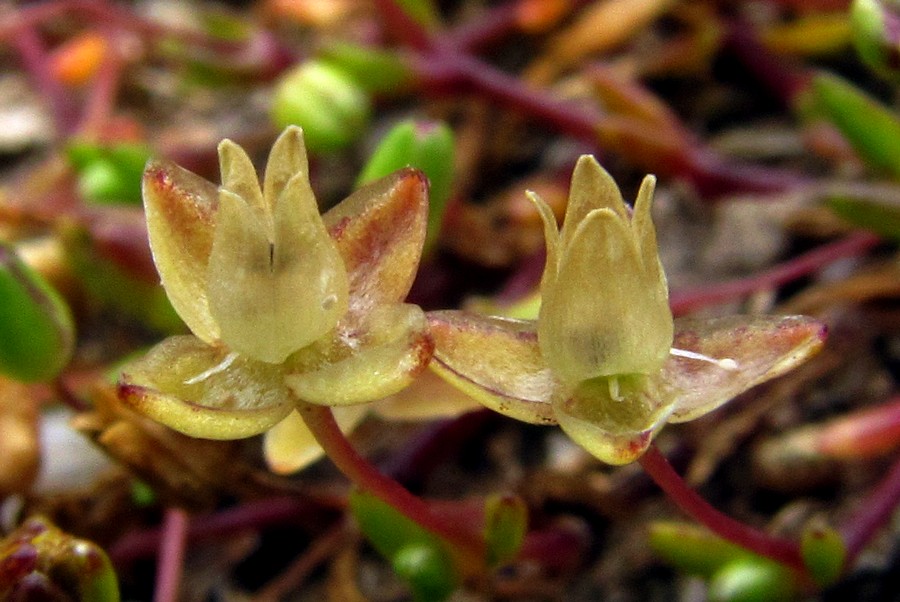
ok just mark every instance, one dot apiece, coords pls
pixel 220 367
pixel 726 363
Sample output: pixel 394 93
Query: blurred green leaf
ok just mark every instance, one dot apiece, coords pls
pixel 693 549
pixel 427 146
pixel 420 557
pixel 376 71
pixel 108 174
pixel 752 580
pixel 38 334
pixel 881 217
pixel 872 129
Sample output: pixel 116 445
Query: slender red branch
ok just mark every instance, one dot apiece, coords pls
pixel 874 512
pixel 171 555
pixel 400 24
pixel 779 549
pixel 251 515
pixel 364 475
pixel 34 57
pixel 686 301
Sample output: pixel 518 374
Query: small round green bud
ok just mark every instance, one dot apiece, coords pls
pixel 327 103
pixel 752 580
pixel 427 570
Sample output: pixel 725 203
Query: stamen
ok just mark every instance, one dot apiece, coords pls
pixel 220 367
pixel 725 363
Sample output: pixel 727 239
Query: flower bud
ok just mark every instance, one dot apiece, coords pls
pixel 40 562
pixel 427 146
pixel 330 106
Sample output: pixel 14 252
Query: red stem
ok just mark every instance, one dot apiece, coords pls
pixel 34 56
pixel 779 549
pixel 686 301
pixel 873 513
pixel 364 475
pixel 171 555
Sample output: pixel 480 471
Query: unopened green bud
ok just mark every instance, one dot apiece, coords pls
pixel 752 580
pixel 505 525
pixel 330 106
pixel 109 174
pixel 427 146
pixel 875 34
pixel 824 552
pixel 37 330
pixel 427 570
pixel 40 562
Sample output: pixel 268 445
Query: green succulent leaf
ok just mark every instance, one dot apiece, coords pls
pixel 753 580
pixel 872 129
pixel 37 330
pixel 420 557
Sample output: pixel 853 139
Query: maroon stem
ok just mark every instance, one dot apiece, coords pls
pixel 364 475
pixel 34 56
pixel 686 301
pixel 779 549
pixel 171 555
pixel 251 515
pixel 873 513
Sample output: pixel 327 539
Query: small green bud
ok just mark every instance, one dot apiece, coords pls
pixel 427 146
pixel 109 174
pixel 427 570
pixel 874 23
pixel 505 525
pixel 37 559
pixel 37 334
pixel 824 552
pixel 330 106
pixel 752 580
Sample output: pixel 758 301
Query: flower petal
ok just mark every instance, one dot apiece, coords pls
pixel 645 231
pixel 273 297
pixel 180 207
pixel 289 446
pixel 204 391
pixel 239 175
pixel 606 315
pixel 395 350
pixel 379 231
pixel 592 188
pixel 495 360
pixel 551 240
pixel 286 159
pixel 614 419
pixel 427 397
pixel 761 348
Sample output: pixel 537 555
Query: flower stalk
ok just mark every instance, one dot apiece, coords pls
pixel 320 421
pixel 663 474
